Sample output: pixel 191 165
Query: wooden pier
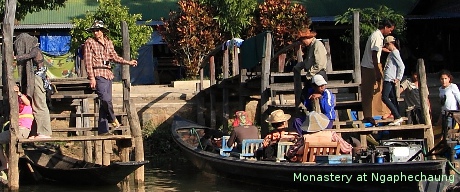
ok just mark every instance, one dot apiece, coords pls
pixel 76 95
pixel 266 81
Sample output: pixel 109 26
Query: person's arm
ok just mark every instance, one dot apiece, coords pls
pixel 232 139
pixel 32 54
pixel 456 93
pixel 88 59
pixel 327 103
pixel 375 61
pixel 117 59
pixel 399 62
pixel 403 85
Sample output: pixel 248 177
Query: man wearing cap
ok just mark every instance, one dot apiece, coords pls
pixel 326 101
pixel 314 59
pixel 99 53
pixel 371 73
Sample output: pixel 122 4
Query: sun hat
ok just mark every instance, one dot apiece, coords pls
pixel 318 80
pixel 98 24
pixel 389 39
pixel 278 116
pixel 315 122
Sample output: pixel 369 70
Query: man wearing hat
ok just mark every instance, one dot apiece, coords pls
pixel 99 53
pixel 314 59
pixel 326 102
pixel 279 121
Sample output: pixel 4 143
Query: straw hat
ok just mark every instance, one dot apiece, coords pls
pixel 315 122
pixel 278 116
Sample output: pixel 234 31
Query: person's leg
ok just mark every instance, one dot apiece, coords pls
pixel 367 87
pixel 378 107
pixel 102 86
pixel 386 94
pixel 394 99
pixel 40 109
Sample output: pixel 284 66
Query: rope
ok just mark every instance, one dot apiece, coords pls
pixel 453 168
pixel 193 130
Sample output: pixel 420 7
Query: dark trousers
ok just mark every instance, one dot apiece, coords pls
pixel 389 98
pixel 106 114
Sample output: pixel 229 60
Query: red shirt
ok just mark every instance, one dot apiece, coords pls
pixel 96 53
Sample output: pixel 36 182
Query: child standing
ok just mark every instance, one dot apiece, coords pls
pixel 448 93
pixel 393 72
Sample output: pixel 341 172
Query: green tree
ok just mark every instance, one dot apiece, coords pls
pixel 25 7
pixel 369 20
pixel 282 18
pixel 191 33
pixel 112 13
pixel 233 16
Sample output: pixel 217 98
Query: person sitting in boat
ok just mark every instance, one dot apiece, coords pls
pixel 242 129
pixel 25 124
pixel 326 102
pixel 279 122
pixel 312 131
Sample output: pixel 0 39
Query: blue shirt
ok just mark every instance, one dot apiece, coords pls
pixel 326 103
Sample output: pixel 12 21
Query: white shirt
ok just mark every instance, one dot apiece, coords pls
pixel 374 43
pixel 449 96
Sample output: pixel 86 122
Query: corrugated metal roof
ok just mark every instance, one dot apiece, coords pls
pixel 45 26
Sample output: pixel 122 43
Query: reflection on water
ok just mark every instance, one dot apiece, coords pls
pixel 167 175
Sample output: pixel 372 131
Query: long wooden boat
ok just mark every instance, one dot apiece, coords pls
pixel 52 166
pixel 409 176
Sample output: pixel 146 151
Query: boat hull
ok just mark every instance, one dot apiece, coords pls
pixel 366 176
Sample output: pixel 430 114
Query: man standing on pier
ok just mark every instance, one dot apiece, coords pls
pixel 99 54
pixel 371 72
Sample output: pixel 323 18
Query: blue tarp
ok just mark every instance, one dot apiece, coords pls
pixel 143 74
pixel 55 43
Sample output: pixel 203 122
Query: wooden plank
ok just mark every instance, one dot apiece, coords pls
pixel 138 140
pixel 291 74
pixel 87 129
pixel 98 152
pixel 290 86
pixel 382 128
pixel 79 96
pixel 77 138
pixel 106 152
pixel 87 114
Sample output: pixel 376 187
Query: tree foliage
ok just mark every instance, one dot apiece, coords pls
pixel 25 7
pixel 233 16
pixel 369 19
pixel 191 33
pixel 282 18
pixel 112 13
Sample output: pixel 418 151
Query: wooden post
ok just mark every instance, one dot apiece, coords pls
pixel 264 80
pixel 137 137
pixel 98 152
pixel 424 102
pixel 316 106
pixel 225 110
pixel 8 29
pixel 328 55
pixel 87 145
pixel 356 50
pixel 212 96
pixel 298 82
pixel 242 99
pixel 106 152
pixel 125 74
pixel 281 62
pixel 235 62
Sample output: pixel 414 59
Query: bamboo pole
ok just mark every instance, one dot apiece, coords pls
pixel 225 107
pixel 298 81
pixel 212 96
pixel 8 30
pixel 424 102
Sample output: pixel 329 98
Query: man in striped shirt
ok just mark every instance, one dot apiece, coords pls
pixel 99 53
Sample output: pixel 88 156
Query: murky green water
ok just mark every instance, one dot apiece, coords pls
pixel 167 175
